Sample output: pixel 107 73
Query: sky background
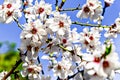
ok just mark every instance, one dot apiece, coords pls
pixel 10 32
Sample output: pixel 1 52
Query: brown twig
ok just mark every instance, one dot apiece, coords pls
pixel 56 4
pixel 12 70
pixel 61 5
pixel 19 25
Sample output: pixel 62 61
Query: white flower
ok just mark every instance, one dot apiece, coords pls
pixel 43 9
pixel 90 39
pixel 34 31
pixel 112 31
pixel 62 69
pixel 74 36
pixel 84 13
pixel 30 14
pixel 60 23
pixel 109 65
pixel 9 10
pixel 92 9
pixel 32 70
pixel 100 64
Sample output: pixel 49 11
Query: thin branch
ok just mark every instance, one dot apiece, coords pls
pixel 19 25
pixel 39 63
pixel 70 9
pixel 90 25
pixel 38 60
pixel 12 70
pixel 61 4
pixel 63 48
pixel 56 4
pixel 23 9
pixel 104 8
pixel 72 76
pixel 14 67
pixel 103 11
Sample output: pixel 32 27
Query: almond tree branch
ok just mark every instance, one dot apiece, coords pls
pixel 14 67
pixel 56 4
pixel 12 70
pixel 61 5
pixel 19 25
pixel 63 48
pixel 70 9
pixel 91 25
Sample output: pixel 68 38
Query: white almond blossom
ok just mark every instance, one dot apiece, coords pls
pixel 74 36
pixel 90 39
pixel 29 14
pixel 43 9
pixel 60 23
pixel 31 70
pixel 100 64
pixel 92 9
pixel 34 31
pixel 114 30
pixel 63 69
pixel 9 10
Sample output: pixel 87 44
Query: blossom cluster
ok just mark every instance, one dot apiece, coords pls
pixel 71 54
pixel 92 9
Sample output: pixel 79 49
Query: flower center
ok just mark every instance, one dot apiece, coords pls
pixel 36 49
pixel 64 41
pixel 31 70
pixel 40 10
pixel 86 9
pixel 105 64
pixel 9 13
pixel 91 38
pixel 97 59
pixel 86 42
pixel 91 4
pixel 9 5
pixel 61 24
pixel 29 47
pixel 59 67
pixel 34 31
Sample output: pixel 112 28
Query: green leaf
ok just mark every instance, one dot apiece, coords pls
pixel 108 50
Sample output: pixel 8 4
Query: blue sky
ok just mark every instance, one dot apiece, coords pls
pixel 10 32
